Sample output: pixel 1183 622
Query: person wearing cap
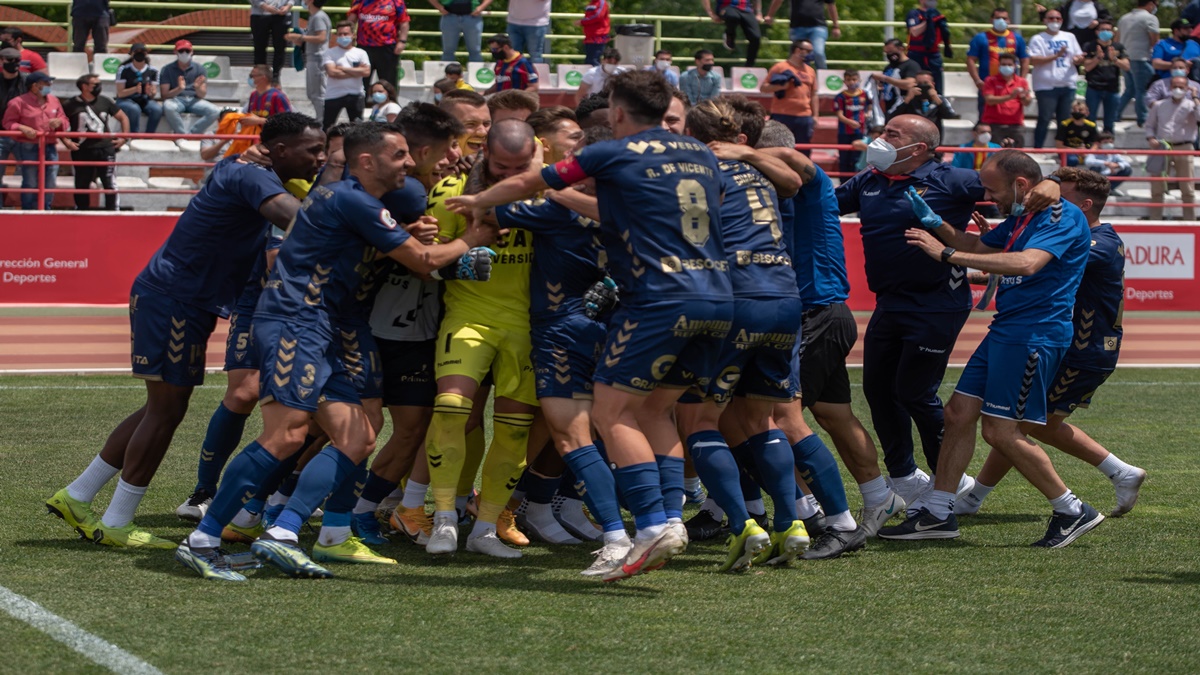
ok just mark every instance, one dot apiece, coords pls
pixel 90 16
pixel 35 112
pixel 12 85
pixel 184 85
pixel 1178 45
pixel 137 87
pixel 31 61
pixel 89 112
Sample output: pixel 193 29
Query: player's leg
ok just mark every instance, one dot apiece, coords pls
pixel 543 475
pixel 1126 478
pixel 222 437
pixel 502 467
pixel 882 346
pixel 465 498
pixel 73 504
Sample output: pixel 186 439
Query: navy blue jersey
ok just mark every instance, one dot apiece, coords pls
pixel 248 300
pixel 567 256
pixel 1099 304
pixel 752 232
pixel 900 275
pixel 654 250
pixel 206 260
pixel 818 251
pixel 1037 309
pixel 329 253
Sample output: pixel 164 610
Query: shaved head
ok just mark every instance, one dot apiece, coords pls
pixel 904 132
pixel 920 129
pixel 512 136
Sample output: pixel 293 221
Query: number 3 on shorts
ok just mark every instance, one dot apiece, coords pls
pixel 693 202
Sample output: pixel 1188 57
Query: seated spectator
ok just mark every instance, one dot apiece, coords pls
pixel 37 111
pixel 266 99
pixel 1178 44
pixel 662 63
pixel 1077 132
pixel 383 103
pixel 212 148
pixel 346 66
pixel 513 70
pixel 1005 96
pixel 599 75
pixel 441 88
pixel 513 104
pixel 90 112
pixel 454 73
pixel 1171 123
pixel 923 99
pixel 596 28
pixel 701 83
pixel 981 141
pixel 1108 164
pixel 184 86
pixel 31 61
pixel 137 87
pixel 1161 88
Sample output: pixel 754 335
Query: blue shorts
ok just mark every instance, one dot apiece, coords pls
pixel 239 350
pixel 302 365
pixel 564 356
pixel 759 357
pixel 1074 388
pixel 1011 380
pixel 168 338
pixel 360 356
pixel 672 343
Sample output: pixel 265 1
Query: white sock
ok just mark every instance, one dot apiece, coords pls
pixel 978 493
pixel 332 536
pixel 906 483
pixel 616 536
pixel 481 528
pixel 414 495
pixel 394 494
pixel 245 518
pixel 1067 504
pixel 124 502
pixel 812 501
pixel 450 515
pixel 842 522
pixel 874 492
pixel 805 509
pixel 1112 466
pixel 651 532
pixel 281 534
pixel 277 498
pixel 674 521
pixel 712 507
pixel 940 503
pixel 690 485
pixel 364 506
pixel 756 507
pixel 93 478
pixel 539 513
pixel 198 539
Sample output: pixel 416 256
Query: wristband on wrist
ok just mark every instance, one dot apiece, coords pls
pixel 947 252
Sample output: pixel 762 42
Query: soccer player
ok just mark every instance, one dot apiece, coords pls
pixel 1041 257
pixel 1090 359
pixel 677 303
pixel 471 109
pixel 318 271
pixel 173 307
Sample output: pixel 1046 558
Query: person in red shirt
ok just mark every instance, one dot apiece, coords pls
pixel 37 111
pixel 1005 96
pixel 31 62
pixel 595 30
pixel 382 34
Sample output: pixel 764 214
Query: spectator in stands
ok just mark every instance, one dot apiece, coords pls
pixel 927 28
pixel 384 107
pixel 512 104
pixel 897 77
pixel 441 88
pixel 1171 123
pixel 1178 44
pixel 454 73
pixel 12 85
pixel 1076 132
pixel 35 112
pixel 382 34
pixel 852 106
pixel 794 84
pixel 1103 63
pixel 90 112
pixel 31 61
pixel 807 22
pixel 924 99
pixel 1081 18
pixel 346 66
pixel 1005 96
pixel 1139 31
pixel 1161 89
pixel 528 23
pixel 270 21
pixel 735 13
pixel 315 40
pixel 981 142
pixel 662 64
pixel 265 100
pixel 461 18
pixel 513 71
pixel 701 83
pixel 137 87
pixel 1108 164
pixel 595 31
pixel 1056 57
pixel 599 75
pixel 184 85
pixel 89 16
pixel 593 112
pixel 212 148
pixel 861 146
pixel 984 52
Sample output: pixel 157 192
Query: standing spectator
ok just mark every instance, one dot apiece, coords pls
pixel 984 52
pixel 1082 18
pixel 662 64
pixel 12 85
pixel 701 83
pixel 1171 123
pixel 1161 89
pixel 595 79
pixel 462 18
pixel 807 22
pixel 1005 96
pixel 595 30
pixel 89 16
pixel 927 28
pixel 265 100
pixel 852 106
pixel 37 111
pixel 346 66
pixel 981 142
pixel 1178 44
pixel 924 100
pixel 383 103
pixel 1110 163
pixel 897 78
pixel 382 34
pixel 1076 132
pixel 1103 62
pixel 734 13
pixel 794 84
pixel 315 40
pixel 528 23
pixel 513 71
pixel 184 86
pixel 90 112
pixel 270 21
pixel 137 87
pixel 1055 56
pixel 1139 32
pixel 31 61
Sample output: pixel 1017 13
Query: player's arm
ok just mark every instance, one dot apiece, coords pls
pixel 787 182
pixel 280 210
pixel 796 160
pixel 1013 263
pixel 584 205
pixel 514 189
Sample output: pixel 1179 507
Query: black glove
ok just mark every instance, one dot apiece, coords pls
pixel 948 51
pixel 600 298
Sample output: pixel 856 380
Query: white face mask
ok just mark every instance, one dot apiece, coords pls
pixel 662 65
pixel 1107 146
pixel 183 58
pixel 1177 93
pixel 1053 26
pixel 882 155
pixel 609 68
pixel 984 139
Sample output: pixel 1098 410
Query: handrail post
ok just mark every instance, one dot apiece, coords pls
pixel 41 193
pixel 658 35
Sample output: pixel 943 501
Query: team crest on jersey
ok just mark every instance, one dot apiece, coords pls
pixel 921 190
pixel 386 218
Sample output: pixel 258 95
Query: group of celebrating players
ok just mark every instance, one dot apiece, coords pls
pixel 650 293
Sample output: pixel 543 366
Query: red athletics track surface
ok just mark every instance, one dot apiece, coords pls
pixel 91 342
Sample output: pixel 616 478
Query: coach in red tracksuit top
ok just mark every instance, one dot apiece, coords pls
pixel 382 34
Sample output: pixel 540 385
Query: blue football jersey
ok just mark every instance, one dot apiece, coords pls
pixel 1036 309
pixel 660 197
pixel 1099 304
pixel 752 233
pixel 329 254
pixel 207 259
pixel 567 256
pixel 248 300
pixel 818 249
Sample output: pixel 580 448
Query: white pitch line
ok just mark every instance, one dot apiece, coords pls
pixel 95 649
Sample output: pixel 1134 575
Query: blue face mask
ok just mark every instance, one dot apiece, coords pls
pixel 1017 208
pixel 1007 70
pixel 250 81
pixel 1104 35
pixel 379 97
pixel 344 42
pixel 999 25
